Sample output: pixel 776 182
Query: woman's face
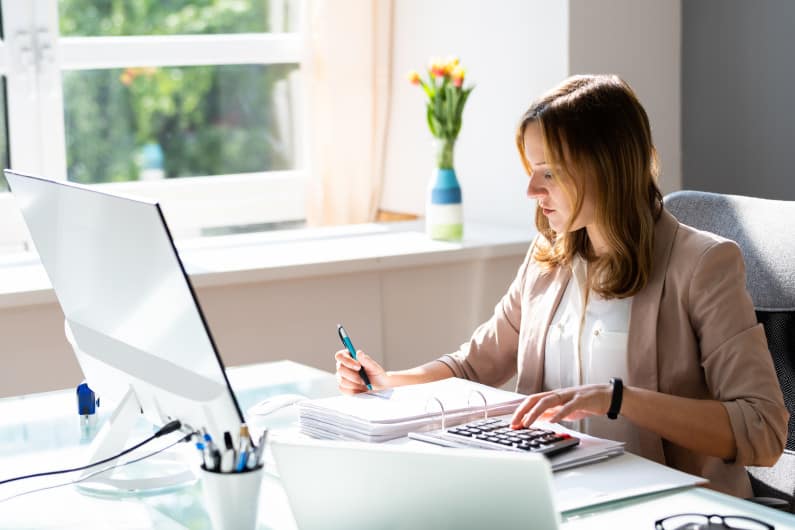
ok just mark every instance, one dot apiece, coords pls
pixel 548 190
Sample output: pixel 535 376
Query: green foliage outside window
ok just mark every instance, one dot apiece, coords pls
pixel 206 119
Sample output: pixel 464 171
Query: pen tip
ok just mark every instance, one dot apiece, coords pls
pixel 339 326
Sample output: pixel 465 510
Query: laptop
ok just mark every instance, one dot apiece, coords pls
pixel 333 484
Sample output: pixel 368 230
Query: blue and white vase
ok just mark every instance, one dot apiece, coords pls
pixel 444 215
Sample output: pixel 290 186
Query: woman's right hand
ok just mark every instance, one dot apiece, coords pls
pixel 348 379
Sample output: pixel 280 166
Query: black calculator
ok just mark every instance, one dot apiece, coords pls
pixel 495 433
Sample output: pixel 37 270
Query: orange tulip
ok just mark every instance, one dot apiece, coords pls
pixel 458 74
pixel 437 68
pixel 414 77
pixel 450 65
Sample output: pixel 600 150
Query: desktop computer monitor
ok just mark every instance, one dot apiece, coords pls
pixel 130 311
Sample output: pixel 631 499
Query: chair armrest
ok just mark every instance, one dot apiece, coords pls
pixel 771 502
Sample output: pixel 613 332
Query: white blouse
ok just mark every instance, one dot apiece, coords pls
pixel 587 343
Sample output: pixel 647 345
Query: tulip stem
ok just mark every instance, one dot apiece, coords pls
pixel 444 154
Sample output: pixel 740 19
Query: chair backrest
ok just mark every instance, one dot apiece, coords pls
pixel 763 230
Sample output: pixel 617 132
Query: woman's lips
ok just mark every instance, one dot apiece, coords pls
pixel 547 211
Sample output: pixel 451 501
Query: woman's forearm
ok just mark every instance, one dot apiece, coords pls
pixel 700 425
pixel 432 371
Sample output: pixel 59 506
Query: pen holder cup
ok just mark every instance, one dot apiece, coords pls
pixel 232 499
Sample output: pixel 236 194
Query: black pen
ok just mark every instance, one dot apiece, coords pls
pixel 229 460
pixel 346 340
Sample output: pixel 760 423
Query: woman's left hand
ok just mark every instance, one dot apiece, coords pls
pixel 572 403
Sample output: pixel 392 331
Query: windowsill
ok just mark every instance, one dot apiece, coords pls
pixel 314 252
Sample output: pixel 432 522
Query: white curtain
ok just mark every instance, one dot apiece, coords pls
pixel 347 81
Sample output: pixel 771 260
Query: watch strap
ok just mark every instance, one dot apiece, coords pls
pixel 615 400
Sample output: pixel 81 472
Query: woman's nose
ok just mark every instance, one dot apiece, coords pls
pixel 534 191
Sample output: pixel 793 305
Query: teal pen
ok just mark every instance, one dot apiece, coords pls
pixel 346 340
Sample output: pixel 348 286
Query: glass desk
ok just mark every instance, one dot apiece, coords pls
pixel 42 431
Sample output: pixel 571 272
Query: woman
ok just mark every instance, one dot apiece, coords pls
pixel 614 287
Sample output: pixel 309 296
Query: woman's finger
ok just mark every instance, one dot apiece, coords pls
pixel 548 401
pixel 344 358
pixel 351 376
pixel 549 413
pixel 521 410
pixel 527 405
pixel 349 387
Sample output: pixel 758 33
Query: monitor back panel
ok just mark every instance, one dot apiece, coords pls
pixel 123 290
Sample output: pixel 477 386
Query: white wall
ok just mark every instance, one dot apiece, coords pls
pixel 640 40
pixel 513 50
pixel 403 317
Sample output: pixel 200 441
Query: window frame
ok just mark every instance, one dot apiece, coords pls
pixel 34 57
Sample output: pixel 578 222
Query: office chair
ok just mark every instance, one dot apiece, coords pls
pixel 763 230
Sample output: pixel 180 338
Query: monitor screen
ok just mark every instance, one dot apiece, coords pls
pixel 131 313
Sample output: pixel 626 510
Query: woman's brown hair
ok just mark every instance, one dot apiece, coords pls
pixel 595 128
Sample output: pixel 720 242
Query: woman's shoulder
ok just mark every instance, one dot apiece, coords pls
pixel 688 237
pixel 691 246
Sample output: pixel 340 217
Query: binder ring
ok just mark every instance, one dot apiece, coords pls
pixel 485 403
pixel 439 402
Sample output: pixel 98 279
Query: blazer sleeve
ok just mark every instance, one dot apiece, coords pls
pixel 490 355
pixel 737 363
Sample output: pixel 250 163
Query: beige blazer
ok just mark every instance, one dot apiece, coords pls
pixel 692 333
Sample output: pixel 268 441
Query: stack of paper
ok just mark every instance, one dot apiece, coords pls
pixel 382 416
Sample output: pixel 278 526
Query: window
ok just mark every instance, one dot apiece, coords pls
pixel 193 102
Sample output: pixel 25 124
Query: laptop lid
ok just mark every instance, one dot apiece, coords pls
pixel 384 486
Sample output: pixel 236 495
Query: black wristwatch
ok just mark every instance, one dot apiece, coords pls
pixel 615 401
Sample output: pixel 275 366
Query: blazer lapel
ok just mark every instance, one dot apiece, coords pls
pixel 642 354
pixel 642 340
pixel 531 370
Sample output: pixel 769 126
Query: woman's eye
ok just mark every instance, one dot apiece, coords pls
pixel 548 175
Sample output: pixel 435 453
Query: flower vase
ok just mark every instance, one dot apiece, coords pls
pixel 443 209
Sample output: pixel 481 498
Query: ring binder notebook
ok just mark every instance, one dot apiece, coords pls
pixel 378 417
pixel 434 399
pixel 474 391
pixel 485 403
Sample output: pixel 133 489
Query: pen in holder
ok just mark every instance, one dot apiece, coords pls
pixel 232 499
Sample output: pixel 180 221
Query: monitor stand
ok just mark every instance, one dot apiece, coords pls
pixel 154 475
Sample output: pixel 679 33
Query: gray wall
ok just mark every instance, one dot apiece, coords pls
pixel 640 41
pixel 738 82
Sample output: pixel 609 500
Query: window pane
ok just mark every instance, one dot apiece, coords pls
pixel 148 123
pixel 92 18
pixel 4 157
